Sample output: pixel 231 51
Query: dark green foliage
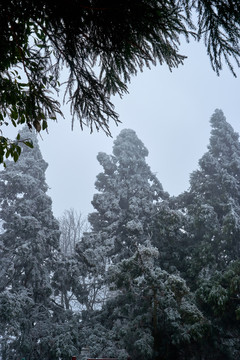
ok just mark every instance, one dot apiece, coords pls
pixel 102 44
pixel 218 297
pixel 170 237
pixel 212 209
pixel 151 314
pixel 213 201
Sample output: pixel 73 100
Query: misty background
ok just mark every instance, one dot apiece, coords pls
pixel 170 113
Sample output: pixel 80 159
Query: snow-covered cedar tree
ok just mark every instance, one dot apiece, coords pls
pixel 212 203
pixel 151 316
pixel 127 198
pixel 125 208
pixel 212 209
pixel 30 322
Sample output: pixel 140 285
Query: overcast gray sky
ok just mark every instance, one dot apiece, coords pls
pixel 170 113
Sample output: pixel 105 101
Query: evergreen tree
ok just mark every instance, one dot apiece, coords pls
pixel 126 206
pixel 213 201
pixel 212 210
pixel 31 321
pixel 129 193
pixel 31 232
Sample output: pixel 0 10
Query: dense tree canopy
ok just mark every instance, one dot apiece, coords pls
pixel 102 44
pixel 154 277
pixel 152 314
pixel 173 279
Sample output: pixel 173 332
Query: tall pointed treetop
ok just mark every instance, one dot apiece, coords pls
pixel 224 142
pixel 128 144
pixel 213 201
pixel 128 194
pixel 30 167
pixel 219 171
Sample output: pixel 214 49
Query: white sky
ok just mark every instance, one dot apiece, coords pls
pixel 170 113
